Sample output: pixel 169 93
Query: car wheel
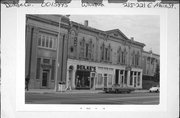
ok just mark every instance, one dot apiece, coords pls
pixel 150 91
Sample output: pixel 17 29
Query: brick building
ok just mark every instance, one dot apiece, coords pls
pixel 84 57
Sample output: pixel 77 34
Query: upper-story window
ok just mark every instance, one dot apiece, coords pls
pixel 47 41
pixel 106 54
pixel 133 58
pixel 119 55
pixel 124 56
pixel 87 50
pixel 137 59
pixel 102 52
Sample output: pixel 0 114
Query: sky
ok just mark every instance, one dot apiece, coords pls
pixel 144 28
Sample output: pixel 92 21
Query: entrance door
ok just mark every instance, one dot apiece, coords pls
pixel 83 80
pixel 45 76
pixel 117 76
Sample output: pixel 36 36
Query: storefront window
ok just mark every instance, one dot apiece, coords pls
pixel 125 79
pixel 138 78
pixel 110 79
pixel 100 79
pixel 131 78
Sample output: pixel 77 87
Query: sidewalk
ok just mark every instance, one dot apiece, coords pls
pixel 52 91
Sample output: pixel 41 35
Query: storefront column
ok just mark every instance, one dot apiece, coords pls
pixel 67 78
pixel 73 77
pixel 132 78
pixel 124 85
pixel 141 79
pixel 128 78
pixel 137 79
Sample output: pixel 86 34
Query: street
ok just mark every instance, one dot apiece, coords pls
pixel 92 98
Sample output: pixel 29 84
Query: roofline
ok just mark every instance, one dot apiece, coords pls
pixel 150 53
pixel 105 33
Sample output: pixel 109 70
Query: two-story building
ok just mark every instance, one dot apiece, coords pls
pixel 82 57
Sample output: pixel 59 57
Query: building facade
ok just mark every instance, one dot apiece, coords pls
pixel 46 48
pixel 150 63
pixel 151 70
pixel 80 56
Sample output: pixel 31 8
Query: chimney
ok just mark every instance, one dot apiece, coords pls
pixel 132 38
pixel 86 23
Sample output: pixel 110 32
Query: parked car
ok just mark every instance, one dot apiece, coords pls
pixel 154 89
pixel 116 88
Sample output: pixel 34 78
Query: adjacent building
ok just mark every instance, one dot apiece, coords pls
pixel 62 51
pixel 150 63
pixel 151 69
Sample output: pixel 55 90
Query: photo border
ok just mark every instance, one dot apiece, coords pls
pixel 20 58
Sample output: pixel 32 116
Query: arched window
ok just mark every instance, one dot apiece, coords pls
pixel 102 52
pixel 50 44
pixel 125 53
pixel 122 57
pixel 90 49
pixel 119 55
pixel 138 58
pixel 133 58
pixel 109 52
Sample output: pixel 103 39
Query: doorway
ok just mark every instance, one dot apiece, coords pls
pixel 82 79
pixel 45 77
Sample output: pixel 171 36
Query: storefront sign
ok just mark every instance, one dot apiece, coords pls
pixel 87 68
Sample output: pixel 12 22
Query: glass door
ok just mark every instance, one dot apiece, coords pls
pixel 45 76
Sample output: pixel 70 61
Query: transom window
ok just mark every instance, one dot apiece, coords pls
pixel 47 41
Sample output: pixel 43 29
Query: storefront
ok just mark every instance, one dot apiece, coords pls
pixel 85 77
pixel 89 75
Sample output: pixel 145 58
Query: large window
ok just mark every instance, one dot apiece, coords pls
pixel 47 41
pixel 110 79
pixel 138 78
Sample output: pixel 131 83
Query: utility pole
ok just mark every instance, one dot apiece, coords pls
pixel 57 55
pixel 59 60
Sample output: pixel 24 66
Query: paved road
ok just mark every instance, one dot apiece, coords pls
pixel 92 98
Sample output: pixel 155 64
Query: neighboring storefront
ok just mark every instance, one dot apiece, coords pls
pixel 91 75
